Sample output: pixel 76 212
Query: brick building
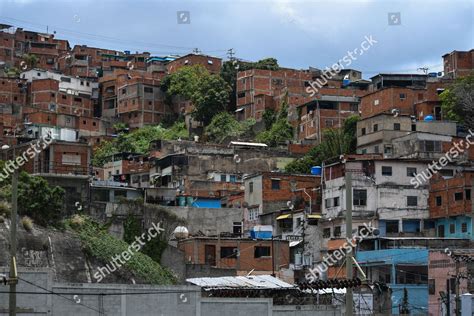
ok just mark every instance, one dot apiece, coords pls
pixel 450 205
pixel 212 64
pixel 243 255
pixel 458 63
pixel 266 192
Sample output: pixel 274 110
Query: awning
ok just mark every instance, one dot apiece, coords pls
pixel 284 216
pixel 314 216
pixel 239 110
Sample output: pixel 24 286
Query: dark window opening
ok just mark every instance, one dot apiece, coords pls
pixel 262 251
pixel 229 252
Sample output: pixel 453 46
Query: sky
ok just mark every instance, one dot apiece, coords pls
pixel 407 34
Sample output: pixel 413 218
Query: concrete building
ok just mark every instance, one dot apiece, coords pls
pixel 376 134
pixel 400 269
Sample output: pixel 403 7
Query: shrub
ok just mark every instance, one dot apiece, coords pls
pixel 27 223
pixel 5 208
pixel 77 220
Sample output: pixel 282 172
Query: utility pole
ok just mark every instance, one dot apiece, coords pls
pixel 230 54
pixel 448 297
pixel 13 240
pixel 349 302
pixel 457 299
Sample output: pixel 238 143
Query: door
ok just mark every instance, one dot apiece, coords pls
pixel 210 254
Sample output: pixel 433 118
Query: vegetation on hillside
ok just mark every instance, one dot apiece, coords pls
pixel 280 130
pixel 36 198
pixel 100 244
pixel 224 125
pixel 208 93
pixel 335 143
pixel 137 141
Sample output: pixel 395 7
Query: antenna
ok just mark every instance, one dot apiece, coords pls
pixel 424 69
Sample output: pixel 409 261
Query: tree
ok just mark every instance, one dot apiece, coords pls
pixel 458 101
pixel 280 131
pixel 31 60
pixel 38 200
pixel 224 125
pixel 208 93
pixel 209 98
pixel 267 64
pixel 137 141
pixel 269 117
pixel 335 143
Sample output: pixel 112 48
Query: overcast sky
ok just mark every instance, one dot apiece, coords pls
pixel 298 33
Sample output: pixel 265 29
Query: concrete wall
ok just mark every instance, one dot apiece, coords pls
pixel 84 299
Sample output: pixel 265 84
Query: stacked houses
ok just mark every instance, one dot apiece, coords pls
pixel 246 213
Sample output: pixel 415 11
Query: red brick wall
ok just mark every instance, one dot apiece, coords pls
pixel 202 60
pixel 446 189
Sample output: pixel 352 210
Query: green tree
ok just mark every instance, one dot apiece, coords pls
pixel 31 60
pixel 224 125
pixel 210 98
pixel 269 117
pixel 208 93
pixel 457 102
pixel 267 64
pixel 335 143
pixel 137 141
pixel 280 131
pixel 38 200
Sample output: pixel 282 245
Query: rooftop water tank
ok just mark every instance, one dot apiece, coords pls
pixel 181 232
pixel 316 170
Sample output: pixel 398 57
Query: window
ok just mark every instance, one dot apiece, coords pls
pixel 148 90
pixel 376 149
pixel 412 201
pixel 64 97
pixel 354 107
pixel 229 252
pixel 77 100
pixel 94 124
pixel 376 127
pixel 124 91
pixel 386 171
pixel 413 127
pixel 327 233
pixel 237 228
pixel 396 126
pixel 337 231
pixel 362 131
pixel 464 227
pixel 431 287
pixel 402 96
pixel 468 194
pixel 145 178
pixel 84 122
pixel 359 197
pixel 452 229
pixel 458 196
pixel 233 178
pixel 241 95
pixel 391 226
pixel 223 178
pixel 376 102
pixel 251 187
pixel 439 200
pixel 430 146
pixel 336 201
pixel 411 172
pixel 82 83
pixel 262 251
pixel 329 123
pixel 253 214
pixel 275 184
pixel 446 172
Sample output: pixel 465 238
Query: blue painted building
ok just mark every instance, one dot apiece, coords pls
pixel 400 268
pixel 454 227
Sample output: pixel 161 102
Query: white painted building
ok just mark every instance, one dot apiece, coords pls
pixel 67 84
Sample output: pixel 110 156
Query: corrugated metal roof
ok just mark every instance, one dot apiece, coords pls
pixel 239 282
